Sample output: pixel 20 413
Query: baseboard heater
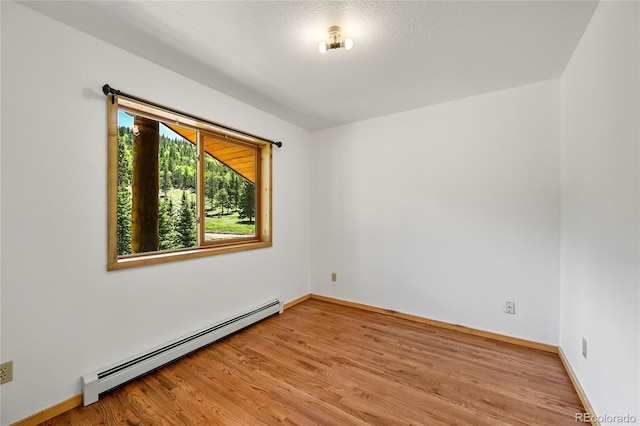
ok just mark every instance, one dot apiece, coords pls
pixel 110 377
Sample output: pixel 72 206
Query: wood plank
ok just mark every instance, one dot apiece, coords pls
pixel 112 182
pixel 323 363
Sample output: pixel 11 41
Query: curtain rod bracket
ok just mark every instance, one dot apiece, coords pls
pixel 108 90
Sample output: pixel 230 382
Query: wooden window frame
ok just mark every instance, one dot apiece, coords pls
pixel 263 235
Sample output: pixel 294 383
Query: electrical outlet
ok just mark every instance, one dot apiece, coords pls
pixel 334 276
pixel 584 348
pixel 6 372
pixel 510 307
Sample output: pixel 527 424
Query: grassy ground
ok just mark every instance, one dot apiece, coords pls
pixel 217 223
pixel 229 224
pixel 176 196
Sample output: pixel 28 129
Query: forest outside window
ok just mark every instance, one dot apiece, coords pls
pixel 182 188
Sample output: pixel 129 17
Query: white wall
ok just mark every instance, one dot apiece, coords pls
pixel 600 210
pixel 445 212
pixel 63 314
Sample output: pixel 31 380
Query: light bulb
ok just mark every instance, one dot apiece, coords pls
pixel 348 43
pixel 322 47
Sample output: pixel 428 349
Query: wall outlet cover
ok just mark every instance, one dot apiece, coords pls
pixel 6 372
pixel 510 307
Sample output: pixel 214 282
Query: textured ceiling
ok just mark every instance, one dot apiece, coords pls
pixel 406 54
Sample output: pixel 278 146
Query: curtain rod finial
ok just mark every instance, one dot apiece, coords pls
pixel 108 90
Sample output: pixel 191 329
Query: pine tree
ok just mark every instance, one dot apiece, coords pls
pixel 165 182
pixel 123 215
pixel 190 177
pixel 186 231
pixel 124 157
pixel 123 227
pixel 234 190
pixel 167 225
pixel 247 201
pixel 222 198
pixel 211 184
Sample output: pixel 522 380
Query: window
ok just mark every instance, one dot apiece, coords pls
pixel 180 187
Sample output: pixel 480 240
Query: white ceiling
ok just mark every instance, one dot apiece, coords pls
pixel 406 54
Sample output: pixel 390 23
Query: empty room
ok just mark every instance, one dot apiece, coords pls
pixel 310 212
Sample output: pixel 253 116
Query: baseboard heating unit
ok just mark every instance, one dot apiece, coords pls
pixel 110 377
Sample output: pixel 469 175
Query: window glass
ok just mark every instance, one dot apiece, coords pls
pixel 180 188
pixel 229 190
pixel 174 212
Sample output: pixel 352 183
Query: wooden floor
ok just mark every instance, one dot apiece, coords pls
pixel 324 364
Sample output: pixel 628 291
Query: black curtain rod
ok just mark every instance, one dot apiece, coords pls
pixel 108 90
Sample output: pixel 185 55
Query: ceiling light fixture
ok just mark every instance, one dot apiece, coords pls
pixel 335 41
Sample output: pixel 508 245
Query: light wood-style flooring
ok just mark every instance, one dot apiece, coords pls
pixel 324 364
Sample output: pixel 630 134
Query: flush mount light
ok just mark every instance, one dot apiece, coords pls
pixel 335 40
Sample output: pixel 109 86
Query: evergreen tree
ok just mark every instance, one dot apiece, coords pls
pixel 123 227
pixel 222 198
pixel 211 185
pixel 190 177
pixel 167 225
pixel 234 190
pixel 177 176
pixel 186 231
pixel 124 158
pixel 165 182
pixel 123 215
pixel 247 201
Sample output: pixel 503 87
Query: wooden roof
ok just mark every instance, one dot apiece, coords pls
pixel 238 158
